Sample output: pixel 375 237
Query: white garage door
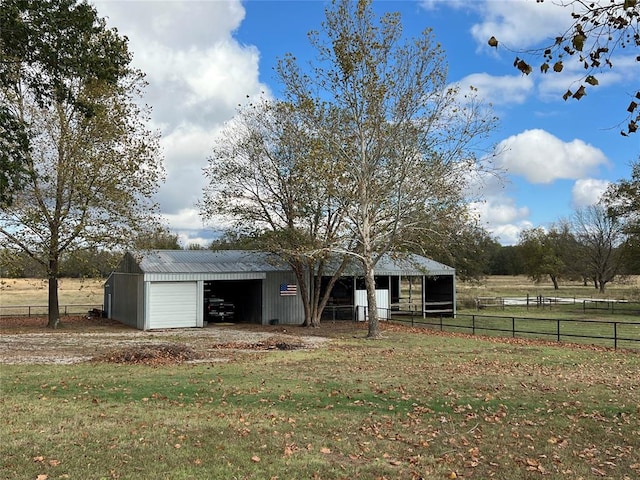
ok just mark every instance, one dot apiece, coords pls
pixel 173 304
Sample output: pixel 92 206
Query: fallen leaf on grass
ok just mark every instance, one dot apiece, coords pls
pixel 325 450
pixel 42 476
pixel 534 466
pixel 54 463
pixel 255 459
pixel 290 449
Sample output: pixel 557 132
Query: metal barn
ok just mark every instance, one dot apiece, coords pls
pixel 162 289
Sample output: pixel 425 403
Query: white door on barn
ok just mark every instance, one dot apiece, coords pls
pixel 173 304
pixel 382 304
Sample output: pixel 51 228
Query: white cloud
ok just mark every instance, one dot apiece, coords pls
pixel 587 191
pixel 509 234
pixel 197 73
pixel 433 4
pixel 185 219
pixel 185 145
pixel 180 24
pixel 503 90
pixel 499 210
pixel 520 23
pixel 541 157
pixel 502 218
pixel 188 225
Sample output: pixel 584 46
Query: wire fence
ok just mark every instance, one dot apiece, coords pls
pixel 43 310
pixel 616 334
pixel 569 304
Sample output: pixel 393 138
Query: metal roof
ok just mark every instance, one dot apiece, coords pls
pixel 209 261
pixel 411 264
pixel 236 261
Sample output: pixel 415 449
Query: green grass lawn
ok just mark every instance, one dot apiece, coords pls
pixel 412 405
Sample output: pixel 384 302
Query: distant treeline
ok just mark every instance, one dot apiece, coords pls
pixel 80 264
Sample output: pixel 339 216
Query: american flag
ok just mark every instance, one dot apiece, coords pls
pixel 288 289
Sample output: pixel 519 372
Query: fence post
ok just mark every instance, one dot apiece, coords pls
pixel 441 323
pixel 615 335
pixel 558 330
pixel 513 327
pixel 473 324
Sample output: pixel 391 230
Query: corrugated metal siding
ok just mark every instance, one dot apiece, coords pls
pixel 126 299
pixel 288 310
pixel 129 264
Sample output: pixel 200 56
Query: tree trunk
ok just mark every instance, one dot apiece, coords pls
pixel 372 306
pixel 54 308
pixel 554 279
pixel 601 286
pixel 321 296
pixel 305 294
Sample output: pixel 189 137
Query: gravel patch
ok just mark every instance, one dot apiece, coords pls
pixel 213 343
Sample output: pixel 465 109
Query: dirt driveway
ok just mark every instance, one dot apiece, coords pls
pixel 28 341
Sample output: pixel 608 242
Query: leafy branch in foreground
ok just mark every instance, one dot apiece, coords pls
pixel 596 32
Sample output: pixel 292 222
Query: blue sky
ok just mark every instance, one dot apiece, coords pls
pixel 203 58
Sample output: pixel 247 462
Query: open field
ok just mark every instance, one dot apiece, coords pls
pixel 33 291
pixel 416 404
pixel 517 286
pixel 23 292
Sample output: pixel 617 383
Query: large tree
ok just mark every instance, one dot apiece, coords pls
pixel 550 253
pixel 601 237
pixel 623 198
pixel 462 244
pixel 92 165
pixel 622 201
pixel 269 180
pixel 598 30
pixel 403 136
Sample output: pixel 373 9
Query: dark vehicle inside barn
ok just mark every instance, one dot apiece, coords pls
pixel 218 310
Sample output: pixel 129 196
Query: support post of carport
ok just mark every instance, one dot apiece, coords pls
pixel 423 294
